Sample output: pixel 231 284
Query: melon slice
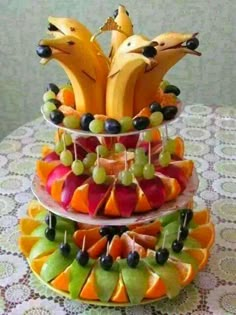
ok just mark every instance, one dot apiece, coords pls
pixel 135 289
pixel 154 191
pixel 115 247
pixel 91 237
pixel 43 169
pixel 96 249
pixel 149 229
pixel 127 246
pixel 78 276
pixel 147 241
pixel 106 281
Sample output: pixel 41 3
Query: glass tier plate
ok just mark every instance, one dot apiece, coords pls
pixel 78 132
pixel 46 200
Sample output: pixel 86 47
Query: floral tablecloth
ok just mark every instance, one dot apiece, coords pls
pixel 210 134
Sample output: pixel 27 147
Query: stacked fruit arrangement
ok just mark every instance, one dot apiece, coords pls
pixel 111 169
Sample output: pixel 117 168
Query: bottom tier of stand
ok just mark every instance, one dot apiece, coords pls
pixel 116 265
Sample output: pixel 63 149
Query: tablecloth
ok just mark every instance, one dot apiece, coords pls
pixel 210 139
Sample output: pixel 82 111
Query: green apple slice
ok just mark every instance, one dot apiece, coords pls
pixel 135 289
pixel 40 231
pixel 168 218
pixel 78 277
pixel 106 281
pixel 185 258
pixel 56 264
pixel 43 247
pixel 191 243
pixel 169 275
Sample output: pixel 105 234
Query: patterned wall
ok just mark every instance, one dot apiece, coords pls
pixel 208 79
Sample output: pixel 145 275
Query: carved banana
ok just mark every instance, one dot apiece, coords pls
pixel 122 18
pixel 127 64
pixel 82 68
pixel 170 50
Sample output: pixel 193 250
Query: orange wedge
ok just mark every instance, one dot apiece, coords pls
pixel 168 99
pixel 91 237
pixel 200 254
pixel 120 294
pixel 66 97
pixel 149 229
pixel 115 247
pixel 43 169
pixel 186 272
pixel 88 291
pixel 111 207
pixel 186 166
pixel 27 225
pixel 45 150
pixel 144 112
pixel 147 241
pixel 171 185
pixel 79 201
pixel 127 246
pixel 204 234
pixel 179 147
pixel 34 208
pixel 56 189
pixel 159 95
pixel 38 263
pixel 156 287
pixel 201 217
pixel 156 135
pixel 61 282
pixel 142 204
pixel 97 248
pixel 26 242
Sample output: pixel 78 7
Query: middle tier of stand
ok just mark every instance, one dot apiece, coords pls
pixel 180 202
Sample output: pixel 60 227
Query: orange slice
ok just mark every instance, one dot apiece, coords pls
pixel 26 242
pixel 61 282
pixel 156 287
pixel 168 99
pixel 147 241
pixel 179 147
pixel 91 237
pixel 186 272
pixel 186 166
pixel 115 247
pixel 69 111
pixel 171 185
pixel 96 249
pixel 43 169
pixel 120 294
pixel 144 112
pixel 159 95
pixel 66 97
pixel 27 225
pixel 56 189
pixel 38 263
pixel 127 246
pixel 142 204
pixel 201 217
pixel 34 208
pixel 88 291
pixel 200 254
pixel 111 207
pixel 204 234
pixel 149 229
pixel 79 201
pixel 46 150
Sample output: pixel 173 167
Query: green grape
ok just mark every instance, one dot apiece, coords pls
pixel 137 169
pixel 77 167
pixel 148 136
pixel 66 157
pixel 126 178
pixel 139 152
pixel 99 174
pixel 67 138
pixel 48 107
pixel 59 146
pixel 164 158
pixel 156 119
pixel 170 146
pixel 72 122
pixel 148 171
pixel 90 159
pixel 102 150
pixel 48 95
pixel 141 159
pixel 164 84
pixel 126 124
pixel 96 126
pixel 119 147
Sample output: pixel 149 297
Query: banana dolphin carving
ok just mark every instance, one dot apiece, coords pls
pixel 170 50
pixel 83 70
pixel 123 20
pixel 127 64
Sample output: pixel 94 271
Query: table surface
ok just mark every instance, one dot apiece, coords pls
pixel 210 135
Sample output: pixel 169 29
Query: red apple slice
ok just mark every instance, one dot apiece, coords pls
pixel 130 142
pixel 89 144
pixel 81 153
pixel 126 198
pixel 52 156
pixel 97 195
pixel 154 191
pixel 57 173
pixel 174 172
pixel 70 184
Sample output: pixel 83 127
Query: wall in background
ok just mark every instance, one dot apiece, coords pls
pixel 209 79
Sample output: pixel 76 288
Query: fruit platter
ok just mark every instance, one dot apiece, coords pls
pixel 113 223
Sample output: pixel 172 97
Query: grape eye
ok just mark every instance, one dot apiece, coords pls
pixel 71 43
pixel 129 44
pixel 115 13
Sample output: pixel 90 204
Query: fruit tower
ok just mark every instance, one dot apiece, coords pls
pixel 114 222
